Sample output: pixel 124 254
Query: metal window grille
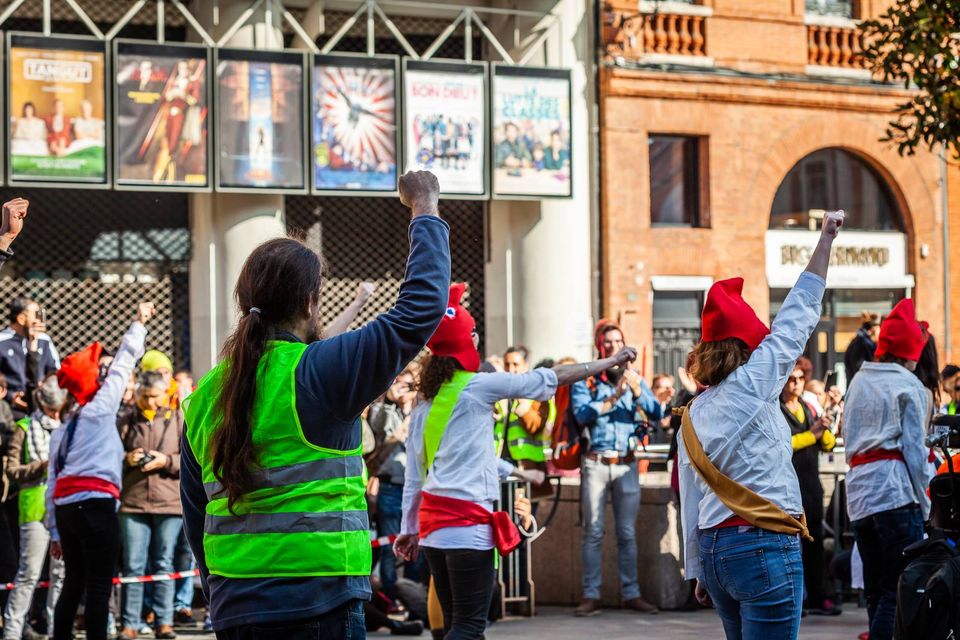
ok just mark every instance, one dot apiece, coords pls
pixel 840 8
pixel 88 257
pixel 365 239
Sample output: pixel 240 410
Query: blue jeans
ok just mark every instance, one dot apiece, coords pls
pixel 755 579
pixel 881 539
pixel 622 480
pixel 183 561
pixel 346 622
pixel 148 546
pixel 389 515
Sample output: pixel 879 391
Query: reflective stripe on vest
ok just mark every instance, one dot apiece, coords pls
pixel 31 500
pixel 307 514
pixel 439 416
pixel 521 444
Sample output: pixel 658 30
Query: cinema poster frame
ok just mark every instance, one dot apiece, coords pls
pixel 150 47
pixel 55 43
pixel 273 56
pixel 353 60
pixel 548 73
pixel 441 65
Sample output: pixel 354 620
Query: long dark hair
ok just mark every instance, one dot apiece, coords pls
pixel 928 369
pixel 280 281
pixel 436 371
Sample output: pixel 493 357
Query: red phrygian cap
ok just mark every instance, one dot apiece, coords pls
pixel 901 335
pixel 80 373
pixel 727 315
pixel 454 336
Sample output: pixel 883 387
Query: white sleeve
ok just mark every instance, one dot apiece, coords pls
pixel 108 397
pixel 489 388
pixel 413 482
pixel 690 497
pixel 50 515
pixel 915 452
pixel 504 468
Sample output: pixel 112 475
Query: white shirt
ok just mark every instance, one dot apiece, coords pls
pixel 886 407
pixel 741 426
pixel 466 465
pixel 96 450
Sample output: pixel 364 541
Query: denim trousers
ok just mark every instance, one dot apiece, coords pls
pixel 149 541
pixel 346 622
pixel 623 482
pixel 881 539
pixel 183 561
pixel 389 515
pixel 755 579
pixel 34 544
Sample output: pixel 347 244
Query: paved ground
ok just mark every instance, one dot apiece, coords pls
pixel 555 623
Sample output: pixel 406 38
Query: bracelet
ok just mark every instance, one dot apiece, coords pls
pixel 586 369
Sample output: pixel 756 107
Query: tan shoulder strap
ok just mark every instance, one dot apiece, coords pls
pixel 747 504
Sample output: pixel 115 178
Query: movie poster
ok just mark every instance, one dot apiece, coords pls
pixel 260 120
pixel 162 115
pixel 444 123
pixel 531 131
pixel 56 103
pixel 354 123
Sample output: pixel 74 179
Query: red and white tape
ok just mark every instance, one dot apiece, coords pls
pixel 176 575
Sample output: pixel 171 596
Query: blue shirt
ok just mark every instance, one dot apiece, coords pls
pixel 615 429
pixel 335 379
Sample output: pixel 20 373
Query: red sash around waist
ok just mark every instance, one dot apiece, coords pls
pixel 440 512
pixel 874 455
pixel 69 485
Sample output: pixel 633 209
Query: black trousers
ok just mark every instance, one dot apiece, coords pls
pixel 814 563
pixel 464 580
pixel 343 623
pixel 90 537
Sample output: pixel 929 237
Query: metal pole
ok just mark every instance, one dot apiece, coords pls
pixel 371 30
pixel 11 9
pixel 342 31
pixel 412 4
pixel 537 44
pixel 442 37
pixel 268 23
pixel 91 25
pixel 492 39
pixel 299 30
pixel 46 18
pixel 468 35
pixel 161 22
pixel 236 26
pixel 396 33
pixel 206 37
pixel 946 251
pixel 127 17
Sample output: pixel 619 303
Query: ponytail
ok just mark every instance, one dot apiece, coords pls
pixel 279 282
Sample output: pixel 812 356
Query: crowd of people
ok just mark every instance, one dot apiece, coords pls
pixel 273 473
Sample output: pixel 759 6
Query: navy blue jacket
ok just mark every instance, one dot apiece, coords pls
pixel 336 379
pixel 13 359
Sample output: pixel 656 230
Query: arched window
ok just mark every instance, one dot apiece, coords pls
pixel 835 179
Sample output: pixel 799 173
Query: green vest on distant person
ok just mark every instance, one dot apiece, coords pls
pixel 31 500
pixel 521 444
pixel 308 514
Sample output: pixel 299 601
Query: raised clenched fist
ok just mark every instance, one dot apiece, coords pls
pixel 832 222
pixel 14 212
pixel 420 190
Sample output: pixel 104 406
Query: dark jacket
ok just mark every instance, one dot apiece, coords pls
pixel 336 379
pixel 157 492
pixel 13 360
pixel 860 350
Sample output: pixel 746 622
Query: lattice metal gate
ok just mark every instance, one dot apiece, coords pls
pixel 89 256
pixel 365 239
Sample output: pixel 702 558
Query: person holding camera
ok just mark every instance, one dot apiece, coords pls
pixel 150 513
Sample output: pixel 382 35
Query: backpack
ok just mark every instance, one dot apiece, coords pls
pixel 928 593
pixel 567 439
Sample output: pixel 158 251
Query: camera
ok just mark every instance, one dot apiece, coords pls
pixel 146 459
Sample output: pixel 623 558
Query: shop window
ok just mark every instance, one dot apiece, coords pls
pixel 679 193
pixel 676 328
pixel 832 8
pixel 835 179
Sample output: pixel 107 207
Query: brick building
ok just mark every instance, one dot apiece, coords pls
pixel 727 127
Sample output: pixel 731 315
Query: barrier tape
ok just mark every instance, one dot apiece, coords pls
pixel 176 575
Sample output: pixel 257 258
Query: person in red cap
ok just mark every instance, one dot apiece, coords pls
pixel 83 478
pixel 750 568
pixel 884 423
pixel 452 476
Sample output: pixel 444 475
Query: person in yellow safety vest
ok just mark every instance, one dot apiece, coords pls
pixel 271 472
pixel 950 383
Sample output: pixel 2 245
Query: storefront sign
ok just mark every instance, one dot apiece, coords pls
pixel 56 104
pixel 858 260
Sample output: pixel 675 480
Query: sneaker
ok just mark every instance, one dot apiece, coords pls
pixel 208 624
pixel 165 632
pixel 30 634
pixel 827 608
pixel 640 605
pixel 406 629
pixel 184 618
pixel 588 607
